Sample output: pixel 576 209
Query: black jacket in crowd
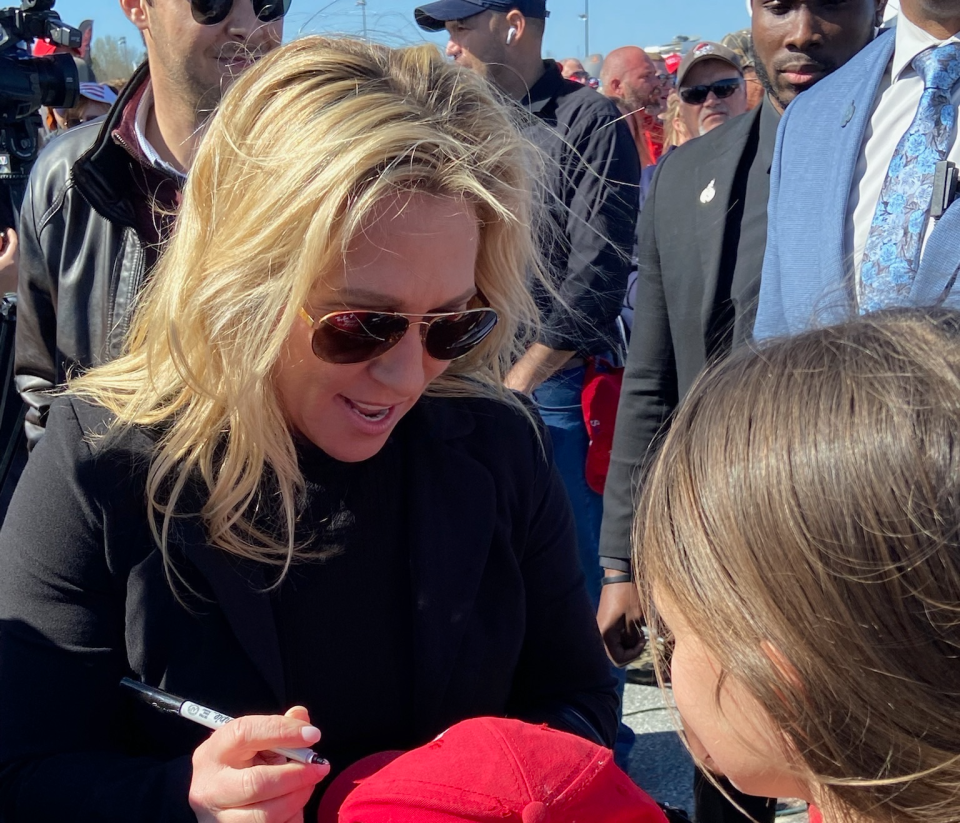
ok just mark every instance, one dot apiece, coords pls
pixel 701 253
pixel 593 185
pixel 88 235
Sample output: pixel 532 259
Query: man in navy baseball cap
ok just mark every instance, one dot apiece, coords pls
pixel 435 16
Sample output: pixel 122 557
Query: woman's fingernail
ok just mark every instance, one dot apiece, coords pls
pixel 310 734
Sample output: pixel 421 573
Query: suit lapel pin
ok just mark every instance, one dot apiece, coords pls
pixel 709 192
pixel 848 114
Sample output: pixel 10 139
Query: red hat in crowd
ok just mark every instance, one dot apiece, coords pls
pixel 672 62
pixel 490 769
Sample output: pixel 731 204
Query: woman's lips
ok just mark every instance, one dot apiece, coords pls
pixel 371 420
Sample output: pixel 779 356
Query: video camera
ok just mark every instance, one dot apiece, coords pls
pixel 26 84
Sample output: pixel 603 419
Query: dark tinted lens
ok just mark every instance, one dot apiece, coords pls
pixel 451 337
pixel 268 10
pixel 695 95
pixel 725 88
pixel 210 12
pixel 352 337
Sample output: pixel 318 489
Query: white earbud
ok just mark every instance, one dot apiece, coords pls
pixel 511 33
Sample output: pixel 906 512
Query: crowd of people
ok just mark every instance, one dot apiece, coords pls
pixel 387 400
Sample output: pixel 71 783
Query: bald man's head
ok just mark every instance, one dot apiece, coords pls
pixel 630 78
pixel 571 66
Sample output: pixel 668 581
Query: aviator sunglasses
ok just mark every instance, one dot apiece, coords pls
pixel 696 95
pixel 356 336
pixel 211 12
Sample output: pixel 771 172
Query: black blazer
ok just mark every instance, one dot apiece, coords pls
pixel 685 247
pixel 502 621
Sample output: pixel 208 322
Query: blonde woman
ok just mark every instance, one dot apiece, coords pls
pixel 302 497
pixel 675 131
pixel 799 538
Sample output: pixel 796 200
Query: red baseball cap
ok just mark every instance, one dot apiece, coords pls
pixel 491 769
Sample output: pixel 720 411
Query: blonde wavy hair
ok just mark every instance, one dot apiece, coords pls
pixel 305 146
pixel 807 498
pixel 675 131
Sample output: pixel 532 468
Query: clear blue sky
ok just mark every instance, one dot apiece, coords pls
pixel 613 23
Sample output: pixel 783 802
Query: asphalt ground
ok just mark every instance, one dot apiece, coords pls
pixel 658 762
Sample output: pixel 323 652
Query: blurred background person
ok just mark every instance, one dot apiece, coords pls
pixel 675 132
pixel 95 101
pixel 711 88
pixel 631 79
pixel 739 42
pixel 572 69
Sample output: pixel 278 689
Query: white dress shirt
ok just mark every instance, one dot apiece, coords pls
pixel 894 109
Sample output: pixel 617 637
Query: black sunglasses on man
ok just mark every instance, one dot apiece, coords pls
pixel 697 95
pixel 211 12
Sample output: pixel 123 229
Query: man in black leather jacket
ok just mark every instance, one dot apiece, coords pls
pixel 101 197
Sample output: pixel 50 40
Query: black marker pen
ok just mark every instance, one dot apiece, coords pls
pixel 166 702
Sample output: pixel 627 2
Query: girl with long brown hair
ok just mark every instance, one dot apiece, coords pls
pixel 799 544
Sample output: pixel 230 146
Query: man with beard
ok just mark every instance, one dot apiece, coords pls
pixel 702 236
pixel 101 199
pixel 886 234
pixel 631 79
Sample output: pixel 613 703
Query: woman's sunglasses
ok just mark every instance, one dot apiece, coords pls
pixel 355 336
pixel 697 95
pixel 211 12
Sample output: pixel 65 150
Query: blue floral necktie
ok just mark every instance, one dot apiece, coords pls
pixel 892 255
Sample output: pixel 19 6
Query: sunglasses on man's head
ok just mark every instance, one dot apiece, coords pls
pixel 696 95
pixel 211 12
pixel 355 336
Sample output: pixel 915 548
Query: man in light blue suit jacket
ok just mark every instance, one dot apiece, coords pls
pixel 834 146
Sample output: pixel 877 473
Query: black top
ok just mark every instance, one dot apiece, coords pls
pixel 357 514
pixel 477 574
pixel 593 186
pixel 701 245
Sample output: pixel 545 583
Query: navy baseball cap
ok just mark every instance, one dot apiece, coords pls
pixel 434 16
